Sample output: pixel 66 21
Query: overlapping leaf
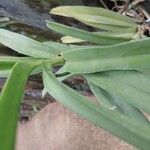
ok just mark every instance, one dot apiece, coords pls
pixel 130 86
pixel 104 38
pixel 10 99
pixel 58 46
pixel 6 62
pixel 64 47
pixel 109 101
pixel 134 132
pixel 70 39
pixel 25 45
pixel 97 17
pixel 125 91
pixel 133 55
pixel 65 76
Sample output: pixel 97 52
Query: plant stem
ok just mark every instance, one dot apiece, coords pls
pixel 59 60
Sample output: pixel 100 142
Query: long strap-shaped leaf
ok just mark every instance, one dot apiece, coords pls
pixel 110 28
pixel 96 17
pixel 126 56
pixel 104 38
pixel 122 49
pixel 121 126
pixel 64 47
pixel 135 79
pixel 95 11
pixel 59 46
pixel 132 79
pixel 70 39
pixel 6 62
pixel 137 62
pixel 131 93
pixel 10 99
pixel 109 101
pixel 25 45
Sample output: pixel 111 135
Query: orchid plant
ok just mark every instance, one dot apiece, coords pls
pixel 114 60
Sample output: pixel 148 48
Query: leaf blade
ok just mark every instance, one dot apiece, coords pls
pixel 105 38
pixel 128 93
pixel 10 98
pixel 134 55
pixel 109 101
pixel 113 122
pixel 25 45
pixel 96 17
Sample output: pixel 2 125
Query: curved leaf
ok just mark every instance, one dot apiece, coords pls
pixel 121 126
pixel 133 55
pixel 25 45
pixel 132 93
pixel 110 101
pixel 9 61
pixel 67 10
pixel 104 38
pixel 97 17
pixel 59 46
pixel 10 99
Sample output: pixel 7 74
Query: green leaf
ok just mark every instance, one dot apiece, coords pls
pixel 95 11
pixel 65 77
pixel 7 62
pixel 112 28
pixel 137 62
pixel 104 38
pixel 75 46
pixel 25 45
pixel 110 101
pixel 10 99
pixel 132 78
pixel 120 84
pixel 59 46
pixel 133 55
pixel 103 98
pixel 133 132
pixel 97 17
pixel 64 47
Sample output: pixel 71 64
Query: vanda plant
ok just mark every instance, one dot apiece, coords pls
pixel 116 69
